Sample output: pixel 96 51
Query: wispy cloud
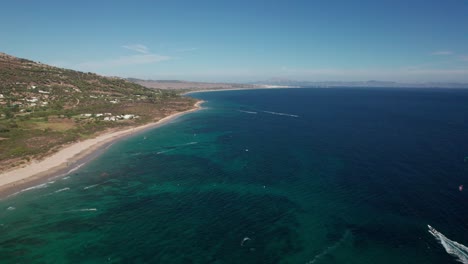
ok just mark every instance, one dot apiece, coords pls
pixel 137 47
pixel 123 61
pixel 442 53
pixel 144 56
pixel 464 58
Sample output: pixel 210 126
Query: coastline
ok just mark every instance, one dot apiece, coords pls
pixel 71 157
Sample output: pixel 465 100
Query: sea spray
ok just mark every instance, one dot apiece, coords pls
pixel 454 248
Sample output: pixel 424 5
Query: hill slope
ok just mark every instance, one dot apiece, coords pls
pixel 43 107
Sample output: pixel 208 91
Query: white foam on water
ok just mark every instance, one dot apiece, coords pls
pixel 11 208
pixel 90 186
pixel 61 190
pixel 244 240
pixel 453 248
pixel 40 186
pixel 248 112
pixel 95 185
pixel 84 210
pixel 164 151
pixel 186 144
pixel 110 145
pixel 281 114
pixel 330 249
pixel 75 168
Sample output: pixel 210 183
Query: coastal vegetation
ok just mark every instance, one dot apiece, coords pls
pixel 44 107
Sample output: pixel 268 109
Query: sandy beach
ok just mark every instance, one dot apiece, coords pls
pixel 69 157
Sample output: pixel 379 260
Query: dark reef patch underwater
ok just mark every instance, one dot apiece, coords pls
pixel 264 176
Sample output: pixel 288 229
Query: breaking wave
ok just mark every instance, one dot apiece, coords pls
pixel 40 186
pixel 95 185
pixel 454 248
pixel 90 186
pixel 75 168
pixel 61 190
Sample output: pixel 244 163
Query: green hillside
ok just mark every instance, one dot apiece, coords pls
pixel 43 107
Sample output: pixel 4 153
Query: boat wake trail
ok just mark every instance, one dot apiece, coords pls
pixel 454 248
pixel 331 248
pixel 281 114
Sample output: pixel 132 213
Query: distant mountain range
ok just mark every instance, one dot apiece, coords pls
pixel 371 83
pixel 285 83
pixel 187 85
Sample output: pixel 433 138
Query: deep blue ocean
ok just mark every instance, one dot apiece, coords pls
pixel 337 175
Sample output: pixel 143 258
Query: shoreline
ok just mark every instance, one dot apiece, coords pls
pixel 71 157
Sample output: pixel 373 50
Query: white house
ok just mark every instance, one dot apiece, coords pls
pixel 32 100
pixel 110 118
pixel 126 117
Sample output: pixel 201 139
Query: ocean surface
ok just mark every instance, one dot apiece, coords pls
pixel 340 175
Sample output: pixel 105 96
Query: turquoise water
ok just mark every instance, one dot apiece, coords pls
pixel 262 176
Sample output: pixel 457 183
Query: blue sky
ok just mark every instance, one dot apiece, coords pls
pixel 241 41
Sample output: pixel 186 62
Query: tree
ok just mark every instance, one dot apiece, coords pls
pixel 8 113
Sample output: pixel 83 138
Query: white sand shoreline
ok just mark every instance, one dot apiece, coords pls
pixel 68 155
